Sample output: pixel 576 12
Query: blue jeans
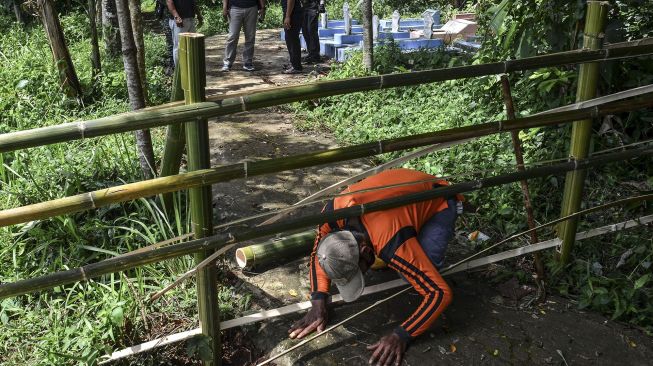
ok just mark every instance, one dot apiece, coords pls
pixel 436 233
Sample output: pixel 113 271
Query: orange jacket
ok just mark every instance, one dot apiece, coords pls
pixel 393 234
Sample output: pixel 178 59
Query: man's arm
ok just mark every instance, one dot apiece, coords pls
pixel 316 318
pixel 261 10
pixel 198 14
pixel 173 10
pixel 225 8
pixel 288 18
pixel 410 260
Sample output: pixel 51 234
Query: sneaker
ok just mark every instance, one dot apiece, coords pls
pixel 248 67
pixel 225 68
pixel 291 70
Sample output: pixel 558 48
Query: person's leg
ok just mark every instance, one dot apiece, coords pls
pixel 175 40
pixel 249 20
pixel 188 26
pixel 235 23
pixel 309 30
pixel 169 45
pixel 435 234
pixel 292 41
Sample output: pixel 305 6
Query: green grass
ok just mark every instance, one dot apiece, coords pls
pixel 75 324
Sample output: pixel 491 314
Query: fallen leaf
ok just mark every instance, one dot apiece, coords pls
pixel 442 350
pixel 292 293
pixel 495 353
pixel 632 344
pixel 452 348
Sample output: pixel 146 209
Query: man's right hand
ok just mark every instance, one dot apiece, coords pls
pixel 315 319
pixel 286 22
pixel 225 13
pixel 179 21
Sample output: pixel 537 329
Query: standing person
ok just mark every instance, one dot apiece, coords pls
pixel 162 13
pixel 292 23
pixel 182 19
pixel 411 239
pixel 241 14
pixel 309 30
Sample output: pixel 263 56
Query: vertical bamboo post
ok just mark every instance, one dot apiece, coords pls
pixel 519 159
pixel 193 81
pixel 581 131
pixel 175 141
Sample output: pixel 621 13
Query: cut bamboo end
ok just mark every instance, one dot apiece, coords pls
pixel 243 256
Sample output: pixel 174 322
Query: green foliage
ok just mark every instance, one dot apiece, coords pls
pixel 76 324
pixel 613 277
pixel 517 29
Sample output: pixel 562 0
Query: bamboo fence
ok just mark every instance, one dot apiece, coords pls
pixel 193 81
pixel 581 134
pixel 176 113
pixel 125 262
pixel 103 197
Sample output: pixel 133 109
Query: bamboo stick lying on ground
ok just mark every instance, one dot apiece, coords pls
pixel 293 308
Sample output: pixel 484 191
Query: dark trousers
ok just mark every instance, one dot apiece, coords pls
pixel 292 40
pixel 435 234
pixel 309 30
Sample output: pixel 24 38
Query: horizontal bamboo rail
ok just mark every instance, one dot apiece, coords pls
pixel 125 262
pixel 175 113
pixel 126 192
pixel 369 290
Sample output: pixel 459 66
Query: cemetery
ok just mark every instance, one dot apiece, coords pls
pixel 338 38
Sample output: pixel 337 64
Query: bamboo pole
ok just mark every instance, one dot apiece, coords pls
pixel 175 142
pixel 519 159
pixel 275 250
pixel 588 75
pixel 222 105
pixel 369 290
pixel 193 81
pixel 125 262
pixel 126 192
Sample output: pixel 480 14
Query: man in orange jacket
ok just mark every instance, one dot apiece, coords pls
pixel 411 239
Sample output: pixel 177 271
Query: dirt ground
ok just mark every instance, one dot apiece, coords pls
pixel 485 325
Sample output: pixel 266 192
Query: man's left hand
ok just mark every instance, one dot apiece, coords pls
pixel 200 20
pixel 389 350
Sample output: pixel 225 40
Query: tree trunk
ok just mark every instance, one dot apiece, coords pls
pixel 134 86
pixel 110 28
pixel 18 12
pixel 368 37
pixel 95 47
pixel 137 27
pixel 67 74
pixel 98 16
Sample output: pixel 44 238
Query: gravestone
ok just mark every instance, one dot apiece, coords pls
pixel 396 18
pixel 375 27
pixel 346 16
pixel 428 24
pixel 324 20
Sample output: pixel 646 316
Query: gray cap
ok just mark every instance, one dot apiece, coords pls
pixel 338 255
